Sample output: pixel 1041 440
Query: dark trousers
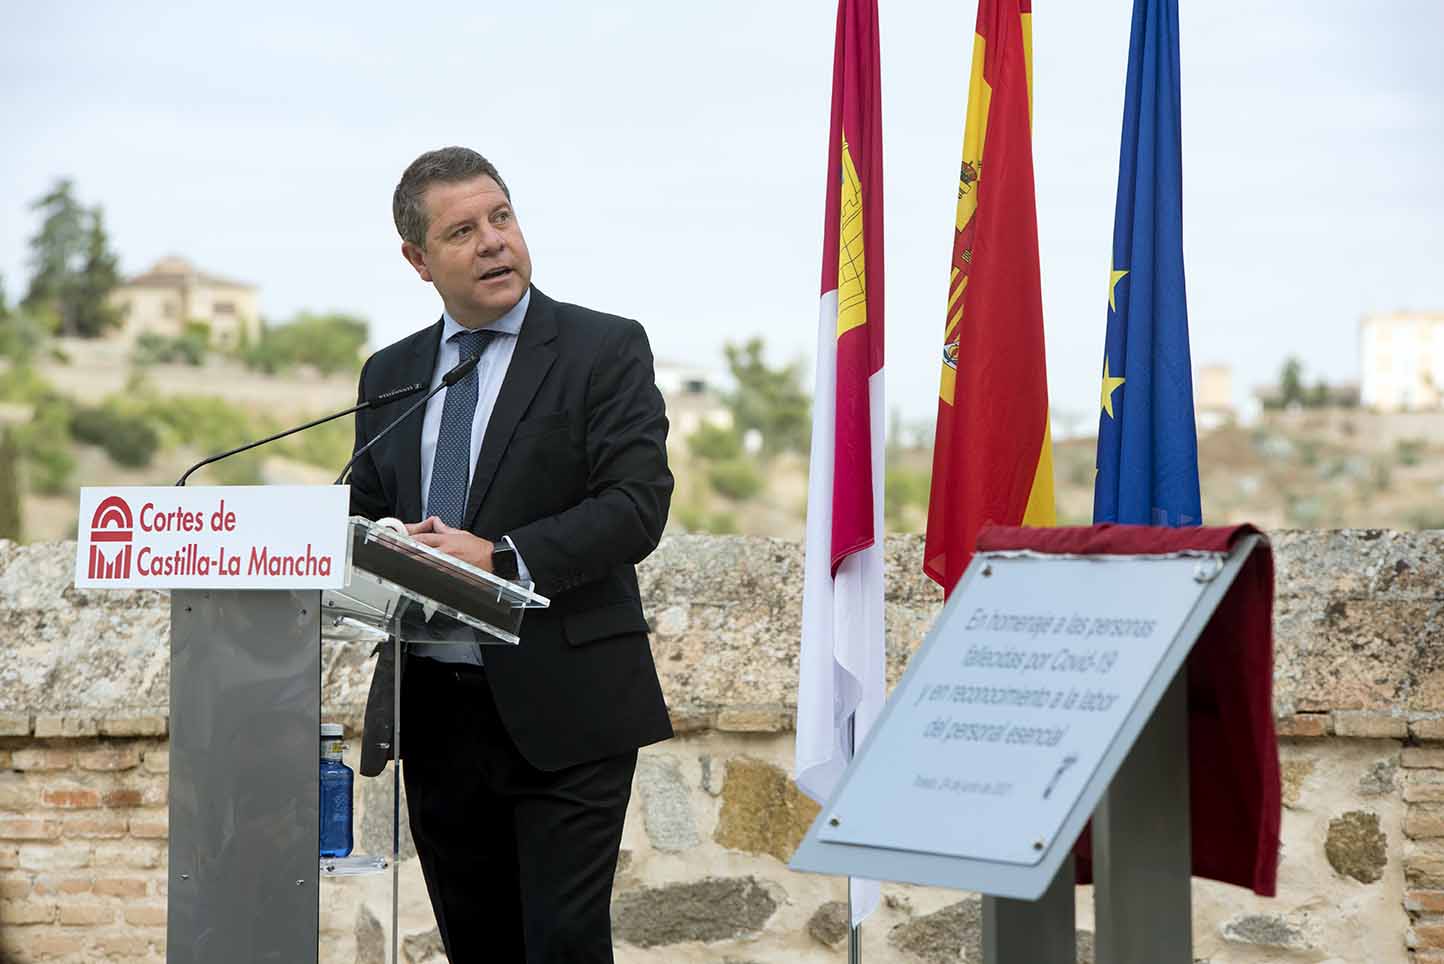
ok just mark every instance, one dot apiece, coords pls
pixel 518 862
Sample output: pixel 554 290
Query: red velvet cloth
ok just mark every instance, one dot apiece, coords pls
pixel 1234 786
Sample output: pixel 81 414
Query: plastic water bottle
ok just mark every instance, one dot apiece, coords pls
pixel 336 783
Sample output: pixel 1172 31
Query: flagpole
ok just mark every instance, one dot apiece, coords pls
pixel 854 931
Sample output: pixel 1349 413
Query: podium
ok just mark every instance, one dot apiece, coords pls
pixel 1114 674
pixel 245 875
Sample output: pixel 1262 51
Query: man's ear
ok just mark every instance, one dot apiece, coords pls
pixel 416 257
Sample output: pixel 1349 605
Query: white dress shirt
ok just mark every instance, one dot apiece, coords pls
pixel 490 372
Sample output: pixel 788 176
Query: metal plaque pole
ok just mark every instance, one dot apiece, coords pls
pixel 1142 857
pixel 1036 931
pixel 854 931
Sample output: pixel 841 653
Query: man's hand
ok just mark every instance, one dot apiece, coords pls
pixel 457 543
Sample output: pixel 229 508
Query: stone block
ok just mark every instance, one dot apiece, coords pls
pixel 754 719
pixel 666 803
pixel 1266 930
pixel 108 826
pixel 55 945
pixel 1423 791
pixel 1424 866
pixel 1424 820
pixel 424 948
pixel 1427 729
pixel 1370 724
pixel 937 937
pixel 1356 847
pixel 128 887
pixel 27 912
pixel 829 924
pixel 762 811
pixel 122 945
pixel 1424 901
pixel 28 828
pixel 42 759
pixel 134 726
pixel 109 758
pixel 1304 725
pixel 712 909
pixel 63 885
pixel 157 761
pixel 19 795
pixel 14 724
pixel 147 827
pixel 122 797
pixel 1430 935
pixel 142 854
pixel 150 915
pixel 1422 757
pixel 9 857
pixel 691 719
pixel 69 856
pixel 49 726
pixel 375 830
pixel 86 915
pixel 67 797
pixel 14 888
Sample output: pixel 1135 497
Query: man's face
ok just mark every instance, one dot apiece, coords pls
pixel 475 254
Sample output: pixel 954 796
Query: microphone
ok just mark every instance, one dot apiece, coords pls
pixel 462 369
pixel 385 398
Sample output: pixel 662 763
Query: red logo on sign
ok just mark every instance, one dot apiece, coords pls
pixel 111 529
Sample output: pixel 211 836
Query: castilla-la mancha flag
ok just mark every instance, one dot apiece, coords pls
pixel 840 686
pixel 993 455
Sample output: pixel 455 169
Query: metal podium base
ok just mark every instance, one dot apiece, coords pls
pixel 1036 931
pixel 245 713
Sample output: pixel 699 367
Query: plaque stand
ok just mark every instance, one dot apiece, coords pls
pixel 1039 931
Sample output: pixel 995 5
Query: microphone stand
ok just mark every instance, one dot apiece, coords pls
pixel 384 398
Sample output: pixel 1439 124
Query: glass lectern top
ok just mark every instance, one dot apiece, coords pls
pixel 440 598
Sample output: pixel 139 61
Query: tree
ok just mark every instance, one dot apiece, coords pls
pixel 10 525
pixel 21 334
pixel 1291 383
pixel 770 400
pixel 74 269
pixel 329 342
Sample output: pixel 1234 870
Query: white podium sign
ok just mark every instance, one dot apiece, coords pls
pixel 1014 715
pixel 213 537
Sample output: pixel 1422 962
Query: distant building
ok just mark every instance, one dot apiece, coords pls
pixel 694 398
pixel 173 292
pixel 1401 359
pixel 1213 397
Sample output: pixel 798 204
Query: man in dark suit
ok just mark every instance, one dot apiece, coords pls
pixel 547 462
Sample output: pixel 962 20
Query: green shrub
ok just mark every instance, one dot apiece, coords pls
pixel 9 487
pixel 715 443
pixel 331 343
pixel 126 436
pixel 188 348
pixel 905 488
pixel 44 444
pixel 735 478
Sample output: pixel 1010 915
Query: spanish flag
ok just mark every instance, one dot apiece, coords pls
pixel 841 666
pixel 993 455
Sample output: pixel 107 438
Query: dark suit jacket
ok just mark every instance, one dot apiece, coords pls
pixel 573 466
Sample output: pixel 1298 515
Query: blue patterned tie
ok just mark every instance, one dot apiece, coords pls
pixel 450 469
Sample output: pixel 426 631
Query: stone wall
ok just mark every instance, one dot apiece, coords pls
pixel 1359 695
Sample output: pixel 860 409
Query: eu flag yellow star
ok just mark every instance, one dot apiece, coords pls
pixel 1114 277
pixel 1110 385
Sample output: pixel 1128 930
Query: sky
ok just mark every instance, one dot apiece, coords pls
pixel 668 161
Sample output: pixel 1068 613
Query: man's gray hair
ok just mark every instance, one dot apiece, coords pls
pixel 446 166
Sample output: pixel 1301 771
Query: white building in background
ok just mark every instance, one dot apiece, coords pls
pixel 694 398
pixel 173 292
pixel 1213 397
pixel 1401 359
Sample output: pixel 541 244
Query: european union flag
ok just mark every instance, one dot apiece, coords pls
pixel 1147 445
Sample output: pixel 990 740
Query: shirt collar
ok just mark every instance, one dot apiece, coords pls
pixel 508 324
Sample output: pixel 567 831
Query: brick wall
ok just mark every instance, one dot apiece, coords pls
pixel 83 840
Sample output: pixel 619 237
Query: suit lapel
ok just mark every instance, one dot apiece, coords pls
pixel 530 363
pixel 420 366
